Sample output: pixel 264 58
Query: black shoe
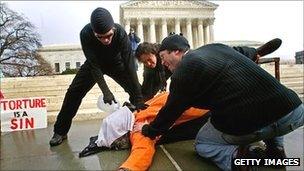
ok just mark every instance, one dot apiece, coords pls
pixel 276 152
pixel 92 148
pixel 248 152
pixel 57 139
pixel 269 47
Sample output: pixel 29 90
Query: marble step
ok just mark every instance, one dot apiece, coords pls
pixel 82 114
pixel 42 83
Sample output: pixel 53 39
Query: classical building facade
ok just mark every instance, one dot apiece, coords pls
pixel 62 57
pixel 154 20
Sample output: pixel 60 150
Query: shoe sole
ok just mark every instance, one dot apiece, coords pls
pixel 88 153
pixel 270 47
pixel 55 144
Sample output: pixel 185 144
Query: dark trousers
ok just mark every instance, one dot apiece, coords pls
pixel 135 60
pixel 247 51
pixel 81 84
pixel 185 131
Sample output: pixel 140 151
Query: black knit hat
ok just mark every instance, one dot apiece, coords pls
pixel 101 21
pixel 174 42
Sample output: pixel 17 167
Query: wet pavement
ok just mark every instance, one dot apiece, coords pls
pixel 30 150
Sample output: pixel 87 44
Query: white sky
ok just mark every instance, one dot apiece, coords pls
pixel 59 22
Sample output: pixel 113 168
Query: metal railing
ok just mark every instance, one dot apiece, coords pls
pixel 276 61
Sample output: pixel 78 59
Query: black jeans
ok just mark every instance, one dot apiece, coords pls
pixel 247 51
pixel 185 131
pixel 81 84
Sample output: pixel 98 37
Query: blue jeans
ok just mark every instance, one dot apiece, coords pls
pixel 220 147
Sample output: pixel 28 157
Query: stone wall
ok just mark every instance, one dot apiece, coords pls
pixel 62 54
pixel 54 89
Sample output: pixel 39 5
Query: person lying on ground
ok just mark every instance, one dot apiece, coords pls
pixel 117 132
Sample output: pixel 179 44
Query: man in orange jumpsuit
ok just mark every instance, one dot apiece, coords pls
pixel 143 148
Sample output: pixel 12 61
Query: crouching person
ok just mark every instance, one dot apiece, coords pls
pixel 247 104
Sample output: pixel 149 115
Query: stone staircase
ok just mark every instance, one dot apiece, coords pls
pixel 54 89
pixel 292 76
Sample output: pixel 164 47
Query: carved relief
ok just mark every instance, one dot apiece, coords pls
pixel 158 13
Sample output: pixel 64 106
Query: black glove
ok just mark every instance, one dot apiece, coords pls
pixel 131 107
pixel 141 106
pixel 108 98
pixel 148 131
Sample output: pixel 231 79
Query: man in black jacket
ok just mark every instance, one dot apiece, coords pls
pixel 108 51
pixel 247 104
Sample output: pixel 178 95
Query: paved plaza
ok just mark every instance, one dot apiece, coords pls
pixel 29 150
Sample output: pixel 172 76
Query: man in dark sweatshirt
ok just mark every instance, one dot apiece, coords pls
pixel 107 49
pixel 247 104
pixel 156 75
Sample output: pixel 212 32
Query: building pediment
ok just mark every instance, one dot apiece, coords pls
pixel 169 4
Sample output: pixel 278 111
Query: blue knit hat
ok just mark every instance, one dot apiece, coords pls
pixel 101 21
pixel 174 42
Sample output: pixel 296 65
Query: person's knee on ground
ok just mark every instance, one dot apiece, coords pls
pixel 209 144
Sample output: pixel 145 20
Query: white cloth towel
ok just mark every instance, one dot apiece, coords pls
pixel 114 126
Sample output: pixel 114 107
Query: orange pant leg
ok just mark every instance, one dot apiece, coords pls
pixel 143 148
pixel 142 152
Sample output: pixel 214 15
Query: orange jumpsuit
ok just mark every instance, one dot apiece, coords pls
pixel 143 148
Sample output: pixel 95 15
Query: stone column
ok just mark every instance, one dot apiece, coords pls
pixel 189 32
pixel 152 31
pixel 211 31
pixel 177 26
pixel 140 32
pixel 127 25
pixel 194 36
pixel 206 34
pixel 200 32
pixel 164 29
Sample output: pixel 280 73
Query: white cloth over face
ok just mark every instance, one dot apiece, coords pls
pixel 114 126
